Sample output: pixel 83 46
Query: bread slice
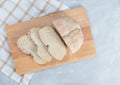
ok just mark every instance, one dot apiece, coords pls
pixel 25 45
pixel 55 46
pixel 70 31
pixel 41 48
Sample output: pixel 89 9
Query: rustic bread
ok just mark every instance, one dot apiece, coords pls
pixel 70 31
pixel 41 48
pixel 55 46
pixel 25 45
pixel 74 40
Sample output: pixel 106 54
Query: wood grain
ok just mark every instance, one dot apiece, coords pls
pixel 25 64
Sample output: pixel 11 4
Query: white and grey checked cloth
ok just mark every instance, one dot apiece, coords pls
pixel 13 11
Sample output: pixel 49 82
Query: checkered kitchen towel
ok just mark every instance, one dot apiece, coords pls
pixel 13 11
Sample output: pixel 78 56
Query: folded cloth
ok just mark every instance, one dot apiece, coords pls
pixel 13 11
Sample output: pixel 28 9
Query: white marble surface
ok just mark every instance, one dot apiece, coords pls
pixel 103 69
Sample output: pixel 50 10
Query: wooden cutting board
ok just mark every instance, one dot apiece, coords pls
pixel 25 64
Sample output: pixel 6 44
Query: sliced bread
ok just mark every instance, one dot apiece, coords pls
pixel 25 45
pixel 41 48
pixel 55 46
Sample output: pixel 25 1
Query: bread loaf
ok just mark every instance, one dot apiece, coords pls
pixel 70 31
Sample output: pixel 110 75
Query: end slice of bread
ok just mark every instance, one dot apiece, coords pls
pixel 25 45
pixel 55 45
